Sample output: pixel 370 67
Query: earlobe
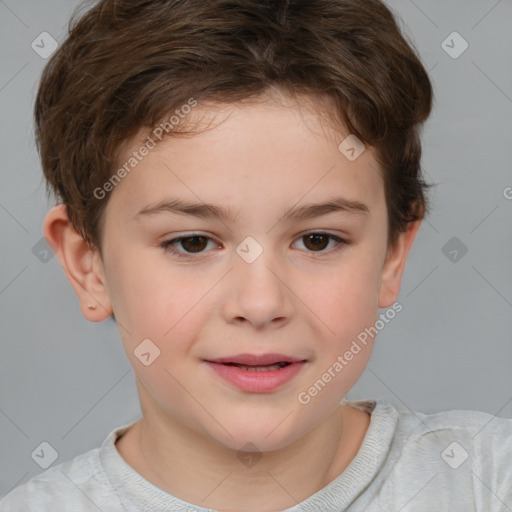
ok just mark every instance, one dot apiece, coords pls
pixel 81 264
pixel 394 265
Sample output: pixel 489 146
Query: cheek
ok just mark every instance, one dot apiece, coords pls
pixel 344 297
pixel 169 313
pixel 346 302
pixel 144 293
pixel 168 308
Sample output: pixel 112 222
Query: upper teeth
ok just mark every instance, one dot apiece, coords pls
pixel 275 366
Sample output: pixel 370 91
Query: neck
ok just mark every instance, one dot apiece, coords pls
pixel 198 470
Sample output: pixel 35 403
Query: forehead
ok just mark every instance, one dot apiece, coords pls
pixel 256 153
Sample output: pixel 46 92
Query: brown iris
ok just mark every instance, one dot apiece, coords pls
pixel 194 243
pixel 316 241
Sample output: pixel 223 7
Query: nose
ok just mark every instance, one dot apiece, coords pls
pixel 258 293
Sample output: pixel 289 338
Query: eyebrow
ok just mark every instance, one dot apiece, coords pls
pixel 209 211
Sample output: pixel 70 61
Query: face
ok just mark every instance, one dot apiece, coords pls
pixel 270 276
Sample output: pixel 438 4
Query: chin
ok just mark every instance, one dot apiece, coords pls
pixel 255 435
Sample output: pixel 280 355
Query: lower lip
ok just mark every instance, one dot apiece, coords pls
pixel 256 381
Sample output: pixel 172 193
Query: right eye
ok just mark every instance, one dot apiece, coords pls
pixel 193 244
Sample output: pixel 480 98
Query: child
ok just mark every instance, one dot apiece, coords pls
pixel 239 182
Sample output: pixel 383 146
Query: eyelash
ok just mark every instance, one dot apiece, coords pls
pixel 167 244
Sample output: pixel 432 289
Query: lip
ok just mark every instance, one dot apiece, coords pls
pixel 256 359
pixel 253 381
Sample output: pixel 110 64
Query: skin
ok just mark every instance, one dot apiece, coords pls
pixel 260 159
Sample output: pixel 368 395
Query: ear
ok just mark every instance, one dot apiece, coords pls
pixel 394 265
pixel 82 264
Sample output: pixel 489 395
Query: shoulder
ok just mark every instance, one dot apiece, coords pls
pixel 80 481
pixel 462 454
pixel 474 429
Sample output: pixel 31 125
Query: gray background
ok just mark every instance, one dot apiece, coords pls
pixel 67 381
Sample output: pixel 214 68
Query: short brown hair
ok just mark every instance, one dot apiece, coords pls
pixel 127 64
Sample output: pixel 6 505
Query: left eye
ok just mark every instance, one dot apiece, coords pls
pixel 320 241
pixel 315 242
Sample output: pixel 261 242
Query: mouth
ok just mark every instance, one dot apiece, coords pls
pixel 257 373
pixel 259 368
pixel 257 360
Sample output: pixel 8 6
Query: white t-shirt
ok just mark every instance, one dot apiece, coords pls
pixel 408 461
